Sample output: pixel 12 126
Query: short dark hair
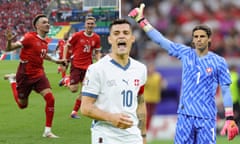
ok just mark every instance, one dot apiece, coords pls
pixel 37 17
pixel 119 21
pixel 204 28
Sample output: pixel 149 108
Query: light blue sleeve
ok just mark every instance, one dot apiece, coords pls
pixel 159 39
pixel 226 94
pixel 173 49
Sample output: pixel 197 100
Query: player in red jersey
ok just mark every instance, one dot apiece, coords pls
pixel 30 73
pixel 59 50
pixel 85 45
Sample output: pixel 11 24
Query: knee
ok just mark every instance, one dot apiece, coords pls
pixel 49 98
pixel 73 89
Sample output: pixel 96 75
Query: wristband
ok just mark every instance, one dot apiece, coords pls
pixel 230 118
pixel 140 20
pixel 229 113
pixel 143 23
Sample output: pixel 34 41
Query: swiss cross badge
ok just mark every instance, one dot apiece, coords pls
pixel 209 70
pixel 136 82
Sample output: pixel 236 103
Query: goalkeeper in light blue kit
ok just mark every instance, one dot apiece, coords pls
pixel 202 72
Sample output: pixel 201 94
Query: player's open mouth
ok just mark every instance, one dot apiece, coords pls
pixel 121 44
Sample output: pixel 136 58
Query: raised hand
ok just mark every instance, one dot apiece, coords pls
pixel 9 35
pixel 137 13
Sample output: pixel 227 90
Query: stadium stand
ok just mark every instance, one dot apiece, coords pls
pixel 175 19
pixel 17 15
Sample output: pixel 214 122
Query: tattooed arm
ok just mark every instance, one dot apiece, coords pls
pixel 141 114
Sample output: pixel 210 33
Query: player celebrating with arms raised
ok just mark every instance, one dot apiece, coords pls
pixel 202 72
pixel 30 74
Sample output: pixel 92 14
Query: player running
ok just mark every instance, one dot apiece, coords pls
pixel 85 47
pixel 30 73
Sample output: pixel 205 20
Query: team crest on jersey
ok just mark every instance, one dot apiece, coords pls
pixel 136 82
pixel 209 70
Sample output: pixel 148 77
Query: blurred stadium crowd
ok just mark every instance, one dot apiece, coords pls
pixel 174 18
pixel 18 15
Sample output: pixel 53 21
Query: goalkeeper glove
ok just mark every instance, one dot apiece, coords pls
pixel 137 15
pixel 230 126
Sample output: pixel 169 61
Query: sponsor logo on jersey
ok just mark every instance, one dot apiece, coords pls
pixel 111 83
pixel 125 81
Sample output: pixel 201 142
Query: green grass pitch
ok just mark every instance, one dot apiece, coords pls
pixel 26 126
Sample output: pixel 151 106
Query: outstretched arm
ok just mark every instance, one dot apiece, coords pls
pixel 57 61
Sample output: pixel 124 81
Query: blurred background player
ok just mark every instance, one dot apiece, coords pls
pixel 30 73
pixel 63 70
pixel 152 90
pixel 202 72
pixel 112 93
pixel 86 47
pixel 235 90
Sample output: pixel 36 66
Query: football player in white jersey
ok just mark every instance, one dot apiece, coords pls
pixel 112 92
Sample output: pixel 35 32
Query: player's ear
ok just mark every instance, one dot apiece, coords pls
pixel 209 42
pixel 133 38
pixel 109 40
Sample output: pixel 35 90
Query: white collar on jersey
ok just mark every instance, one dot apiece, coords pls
pixel 43 38
pixel 88 34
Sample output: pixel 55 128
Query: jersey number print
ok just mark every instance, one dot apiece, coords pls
pixel 127 98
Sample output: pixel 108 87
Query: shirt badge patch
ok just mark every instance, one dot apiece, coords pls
pixel 136 82
pixel 209 70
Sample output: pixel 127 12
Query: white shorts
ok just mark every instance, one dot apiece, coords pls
pixel 101 138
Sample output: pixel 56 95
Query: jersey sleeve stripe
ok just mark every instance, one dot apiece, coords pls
pixel 89 94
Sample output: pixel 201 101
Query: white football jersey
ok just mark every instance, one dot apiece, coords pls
pixel 116 90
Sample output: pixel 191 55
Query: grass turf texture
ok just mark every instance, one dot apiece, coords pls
pixel 26 126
